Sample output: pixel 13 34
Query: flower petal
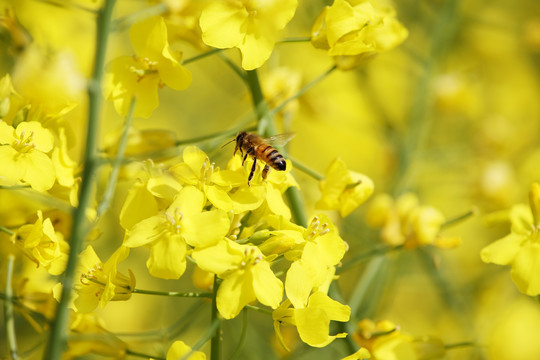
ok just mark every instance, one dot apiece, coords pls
pixel 268 288
pixel 167 258
pixel 526 268
pixel 223 24
pixel 206 228
pixel 503 251
pixel 235 292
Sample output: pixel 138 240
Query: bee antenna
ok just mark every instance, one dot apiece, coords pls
pixel 227 143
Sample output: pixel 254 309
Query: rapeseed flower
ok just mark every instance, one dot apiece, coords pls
pixel 252 26
pixel 139 76
pixel 246 276
pixel 98 282
pixel 169 232
pixel 179 350
pixel 405 222
pixel 42 244
pixel 342 189
pixel 521 248
pixel 102 343
pixel 353 31
pixel 24 155
pixel 217 185
pixel 313 319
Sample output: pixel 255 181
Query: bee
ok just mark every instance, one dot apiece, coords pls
pixel 261 149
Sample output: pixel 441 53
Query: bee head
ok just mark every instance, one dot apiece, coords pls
pixel 240 137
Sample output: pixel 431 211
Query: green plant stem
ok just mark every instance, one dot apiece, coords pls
pixel 228 133
pixel 418 121
pixel 267 127
pixel 117 162
pixel 459 344
pixel 9 320
pixel 128 20
pixel 201 56
pixel 238 71
pixel 6 230
pixel 69 5
pixel 243 334
pixel 215 342
pixel 458 219
pixel 144 356
pixel 259 309
pixel 295 40
pixel 366 255
pixel 211 331
pixel 303 90
pixel 172 293
pixel 306 169
pixel 57 336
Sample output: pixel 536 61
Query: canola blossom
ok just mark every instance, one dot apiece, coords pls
pixel 391 227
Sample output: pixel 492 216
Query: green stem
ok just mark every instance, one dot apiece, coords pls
pixel 459 344
pixel 418 121
pixel 243 334
pixel 6 230
pixel 259 309
pixel 233 66
pixel 69 5
pixel 201 56
pixel 303 90
pixel 144 356
pixel 295 40
pixel 228 133
pixel 458 219
pixel 267 127
pixel 57 336
pixel 9 320
pixel 366 255
pixel 211 331
pixel 306 169
pixel 128 20
pixel 215 342
pixel 113 178
pixel 172 293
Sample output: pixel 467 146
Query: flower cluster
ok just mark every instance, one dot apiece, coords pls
pixel 273 243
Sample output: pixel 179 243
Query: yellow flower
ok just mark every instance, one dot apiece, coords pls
pixel 313 320
pixel 352 33
pixel 23 155
pixel 520 248
pixel 153 190
pixel 314 250
pixel 246 276
pixel 102 342
pixel 169 232
pixel 99 282
pixel 384 340
pixel 274 186
pixel 342 189
pixel 139 76
pixel 225 189
pixel 42 244
pixel 249 25
pixel 179 350
pixel 406 222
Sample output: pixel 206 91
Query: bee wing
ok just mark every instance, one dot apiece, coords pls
pixel 280 140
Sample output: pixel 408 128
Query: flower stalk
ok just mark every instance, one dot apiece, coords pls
pixel 57 336
pixel 9 320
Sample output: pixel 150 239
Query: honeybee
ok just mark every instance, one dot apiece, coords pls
pixel 262 150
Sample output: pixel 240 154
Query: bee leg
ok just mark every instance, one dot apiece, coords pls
pixel 244 159
pixel 265 171
pixel 252 170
